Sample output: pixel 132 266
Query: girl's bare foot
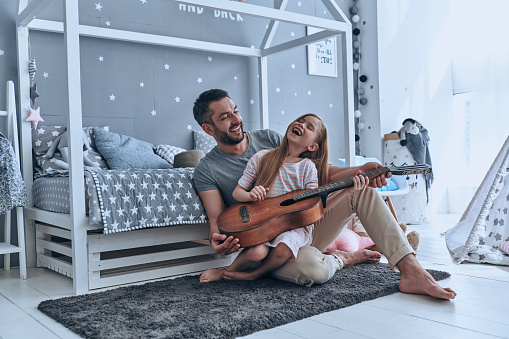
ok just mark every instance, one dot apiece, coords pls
pixel 238 276
pixel 211 275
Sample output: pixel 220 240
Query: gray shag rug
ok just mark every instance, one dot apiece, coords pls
pixel 185 308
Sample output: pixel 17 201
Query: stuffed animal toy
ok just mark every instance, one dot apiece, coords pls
pixel 409 126
pixel 354 238
pixel 412 237
pixel 62 144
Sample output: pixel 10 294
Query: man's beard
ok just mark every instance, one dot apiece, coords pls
pixel 226 139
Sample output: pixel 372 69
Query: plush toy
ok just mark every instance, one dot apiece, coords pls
pixel 354 238
pixel 349 241
pixel 412 237
pixel 409 126
pixel 62 144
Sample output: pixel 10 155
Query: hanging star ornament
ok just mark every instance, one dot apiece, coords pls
pixel 33 94
pixel 34 115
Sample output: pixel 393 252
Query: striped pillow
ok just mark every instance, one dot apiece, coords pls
pixel 168 152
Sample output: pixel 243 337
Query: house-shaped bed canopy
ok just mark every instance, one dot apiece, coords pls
pixel 72 30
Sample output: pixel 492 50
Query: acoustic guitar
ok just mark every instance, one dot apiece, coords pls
pixel 260 221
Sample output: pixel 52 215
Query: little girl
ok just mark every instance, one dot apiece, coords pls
pixel 270 173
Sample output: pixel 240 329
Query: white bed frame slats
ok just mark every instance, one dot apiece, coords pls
pixel 84 260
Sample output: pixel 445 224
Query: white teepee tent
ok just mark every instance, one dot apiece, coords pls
pixel 483 230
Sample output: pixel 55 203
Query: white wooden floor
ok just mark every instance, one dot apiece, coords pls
pixel 479 311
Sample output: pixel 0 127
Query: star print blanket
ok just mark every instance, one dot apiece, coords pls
pixel 136 199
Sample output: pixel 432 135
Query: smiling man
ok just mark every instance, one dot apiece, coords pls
pixel 217 174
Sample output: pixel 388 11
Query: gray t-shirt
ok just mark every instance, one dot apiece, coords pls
pixel 221 171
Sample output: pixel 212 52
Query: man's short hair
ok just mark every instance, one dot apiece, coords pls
pixel 202 113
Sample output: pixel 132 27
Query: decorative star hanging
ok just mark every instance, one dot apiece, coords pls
pixel 33 94
pixel 34 115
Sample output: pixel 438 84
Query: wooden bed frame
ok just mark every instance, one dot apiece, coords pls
pixel 65 242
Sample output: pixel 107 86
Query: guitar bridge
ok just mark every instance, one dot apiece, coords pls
pixel 244 214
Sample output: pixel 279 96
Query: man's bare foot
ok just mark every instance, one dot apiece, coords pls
pixel 416 280
pixel 239 276
pixel 352 258
pixel 211 275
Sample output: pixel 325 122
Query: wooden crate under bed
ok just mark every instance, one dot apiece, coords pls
pixel 134 256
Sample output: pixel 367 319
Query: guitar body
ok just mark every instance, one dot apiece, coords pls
pixel 259 221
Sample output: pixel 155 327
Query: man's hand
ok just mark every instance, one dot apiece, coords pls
pixel 224 245
pixel 379 181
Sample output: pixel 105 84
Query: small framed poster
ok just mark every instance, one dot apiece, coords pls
pixel 322 59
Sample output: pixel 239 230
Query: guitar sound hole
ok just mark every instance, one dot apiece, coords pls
pixel 287 202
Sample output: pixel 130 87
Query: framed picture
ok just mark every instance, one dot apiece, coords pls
pixel 322 58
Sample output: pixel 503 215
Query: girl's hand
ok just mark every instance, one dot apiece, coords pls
pixel 359 182
pixel 258 193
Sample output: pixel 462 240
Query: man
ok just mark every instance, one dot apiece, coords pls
pixel 217 174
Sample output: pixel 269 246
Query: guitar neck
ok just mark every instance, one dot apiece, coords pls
pixel 325 190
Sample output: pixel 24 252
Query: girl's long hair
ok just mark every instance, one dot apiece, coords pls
pixel 272 161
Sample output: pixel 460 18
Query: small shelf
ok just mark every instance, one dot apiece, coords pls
pixel 6 248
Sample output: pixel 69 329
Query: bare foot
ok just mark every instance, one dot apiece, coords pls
pixel 211 275
pixel 352 258
pixel 416 280
pixel 238 276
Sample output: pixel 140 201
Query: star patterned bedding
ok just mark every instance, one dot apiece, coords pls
pixel 136 199
pixel 124 200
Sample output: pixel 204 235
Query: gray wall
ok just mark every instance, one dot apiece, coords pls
pixel 124 66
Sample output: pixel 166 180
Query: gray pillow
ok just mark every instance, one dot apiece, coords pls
pixel 125 152
pixel 203 141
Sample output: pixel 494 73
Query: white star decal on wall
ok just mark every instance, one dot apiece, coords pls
pixel 154 113
pixel 107 23
pixel 251 102
pixel 166 66
pixel 199 80
pixel 2 52
pixel 98 6
pixel 209 59
pixel 177 99
pixel 45 74
pixel 142 84
pixel 189 127
pixel 330 105
pixel 292 34
pixel 235 78
pixel 101 58
pixel 278 89
pixel 143 1
pixel 253 46
pixel 295 93
pixel 112 97
pixel 299 4
pixel 293 66
pixel 283 112
pixel 309 92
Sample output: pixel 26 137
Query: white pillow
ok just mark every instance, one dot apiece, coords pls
pixel 168 152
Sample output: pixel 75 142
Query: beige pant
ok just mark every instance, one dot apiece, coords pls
pixel 313 267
